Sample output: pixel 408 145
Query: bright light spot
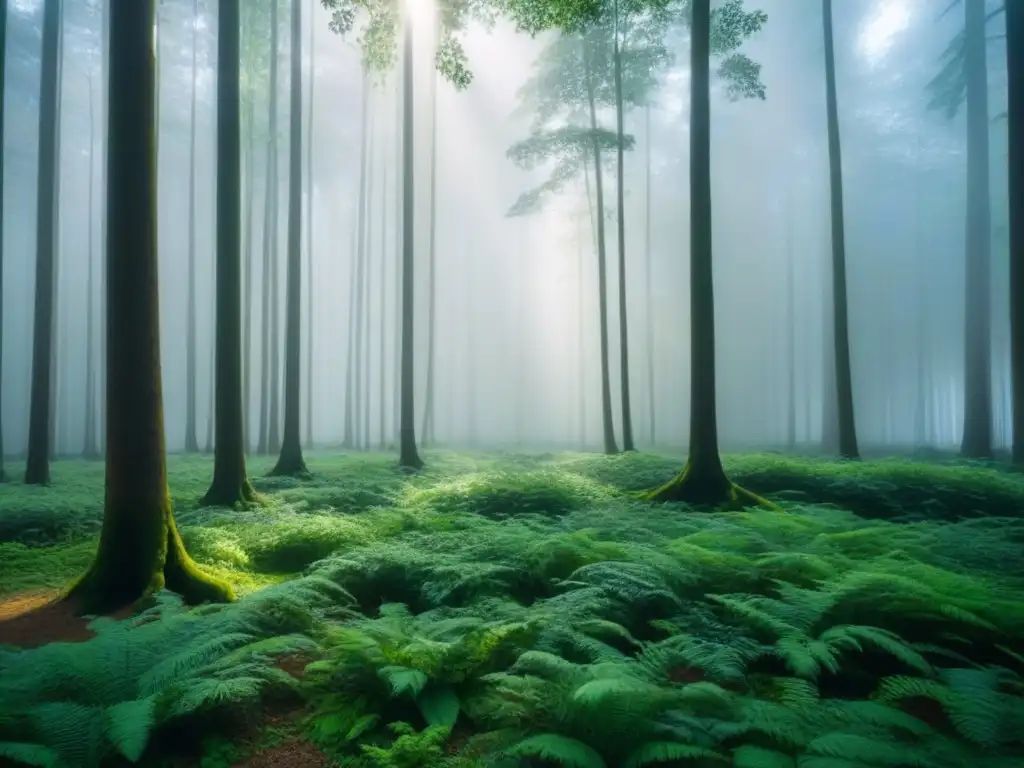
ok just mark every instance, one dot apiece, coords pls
pixel 877 34
pixel 421 13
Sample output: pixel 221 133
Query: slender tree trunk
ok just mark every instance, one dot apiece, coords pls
pixel 840 320
pixel 291 461
pixel 250 194
pixel 409 457
pixel 791 331
pixel 191 443
pixel 274 415
pixel 399 203
pixel 382 300
pixel 1015 118
pixel 90 447
pixel 703 479
pixel 351 439
pixel 602 275
pixel 102 330
pixel 360 393
pixel 230 484
pixel 270 184
pixel 627 417
pixel 428 400
pixel 309 225
pixel 977 433
pixel 37 468
pixel 3 53
pixel 581 335
pixel 648 274
pixel 57 369
pixel 140 551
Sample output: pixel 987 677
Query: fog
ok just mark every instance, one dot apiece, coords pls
pixel 513 304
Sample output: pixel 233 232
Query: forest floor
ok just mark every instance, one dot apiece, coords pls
pixel 529 610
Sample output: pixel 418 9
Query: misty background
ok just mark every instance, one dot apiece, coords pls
pixel 510 368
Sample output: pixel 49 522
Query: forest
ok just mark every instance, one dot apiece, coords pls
pixel 512 383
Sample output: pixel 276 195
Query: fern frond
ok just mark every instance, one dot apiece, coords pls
pixel 560 749
pixel 667 752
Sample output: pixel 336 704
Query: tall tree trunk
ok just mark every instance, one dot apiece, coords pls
pixel 250 194
pixel 791 330
pixel 274 414
pixel 102 330
pixel 627 417
pixel 840 319
pixel 648 271
pixel 977 434
pixel 269 362
pixel 90 446
pixel 1015 118
pixel 57 370
pixel 3 53
pixel 581 336
pixel 382 300
pixel 309 224
pixel 351 440
pixel 359 394
pixel 291 462
pixel 408 457
pixel 230 484
pixel 140 551
pixel 428 400
pixel 37 467
pixel 191 443
pixel 703 479
pixel 602 271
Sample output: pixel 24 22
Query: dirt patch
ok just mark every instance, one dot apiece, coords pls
pixel 294 664
pixel 293 754
pixel 32 619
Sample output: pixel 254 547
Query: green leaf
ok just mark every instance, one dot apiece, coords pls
pixel 551 746
pixel 29 754
pixel 404 680
pixel 750 756
pixel 361 726
pixel 129 724
pixel 668 751
pixel 439 705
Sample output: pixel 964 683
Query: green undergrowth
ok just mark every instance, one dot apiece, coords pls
pixel 507 610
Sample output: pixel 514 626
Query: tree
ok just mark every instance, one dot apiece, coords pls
pixel 230 484
pixel 309 225
pixel 840 313
pixel 91 448
pixel 290 461
pixel 140 550
pixel 37 467
pixel 1015 119
pixel 191 443
pixel 3 54
pixel 703 479
pixel 963 80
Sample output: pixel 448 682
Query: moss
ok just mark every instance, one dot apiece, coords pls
pixel 706 486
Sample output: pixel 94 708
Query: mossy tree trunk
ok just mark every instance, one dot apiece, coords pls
pixel 230 484
pixel 602 270
pixel 290 461
pixel 977 433
pixel 620 188
pixel 3 54
pixel 703 480
pixel 191 441
pixel 140 550
pixel 409 456
pixel 840 312
pixel 1015 116
pixel 37 467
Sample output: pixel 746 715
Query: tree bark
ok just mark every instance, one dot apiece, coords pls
pixel 37 467
pixel 602 273
pixel 1015 118
pixel 250 194
pixel 360 395
pixel 140 551
pixel 291 462
pixel 382 299
pixel 191 443
pixel 840 313
pixel 977 433
pixel 230 484
pixel 428 400
pixel 274 221
pixel 627 418
pixel 409 457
